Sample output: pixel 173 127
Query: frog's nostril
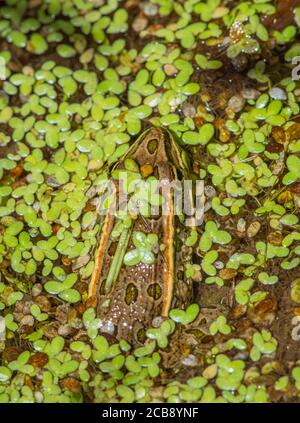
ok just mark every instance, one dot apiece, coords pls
pixel 152 146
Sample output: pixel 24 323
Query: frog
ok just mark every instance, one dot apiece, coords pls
pixel 129 295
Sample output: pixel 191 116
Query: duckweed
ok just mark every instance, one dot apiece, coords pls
pixel 220 325
pixel 263 343
pixel 143 253
pixel 185 317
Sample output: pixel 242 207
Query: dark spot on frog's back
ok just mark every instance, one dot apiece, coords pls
pixel 154 291
pixel 131 294
pixel 152 146
pixel 140 336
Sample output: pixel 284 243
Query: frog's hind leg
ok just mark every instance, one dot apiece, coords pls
pixel 99 258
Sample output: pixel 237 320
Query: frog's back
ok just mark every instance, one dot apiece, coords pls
pixel 139 272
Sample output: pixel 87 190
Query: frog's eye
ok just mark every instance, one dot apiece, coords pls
pixel 152 146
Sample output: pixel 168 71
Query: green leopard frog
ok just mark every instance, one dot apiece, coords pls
pixel 139 271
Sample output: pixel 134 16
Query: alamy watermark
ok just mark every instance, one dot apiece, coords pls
pixel 153 198
pixel 296 328
pixel 2 69
pixel 296 70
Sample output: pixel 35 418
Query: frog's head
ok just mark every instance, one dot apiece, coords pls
pixel 157 146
